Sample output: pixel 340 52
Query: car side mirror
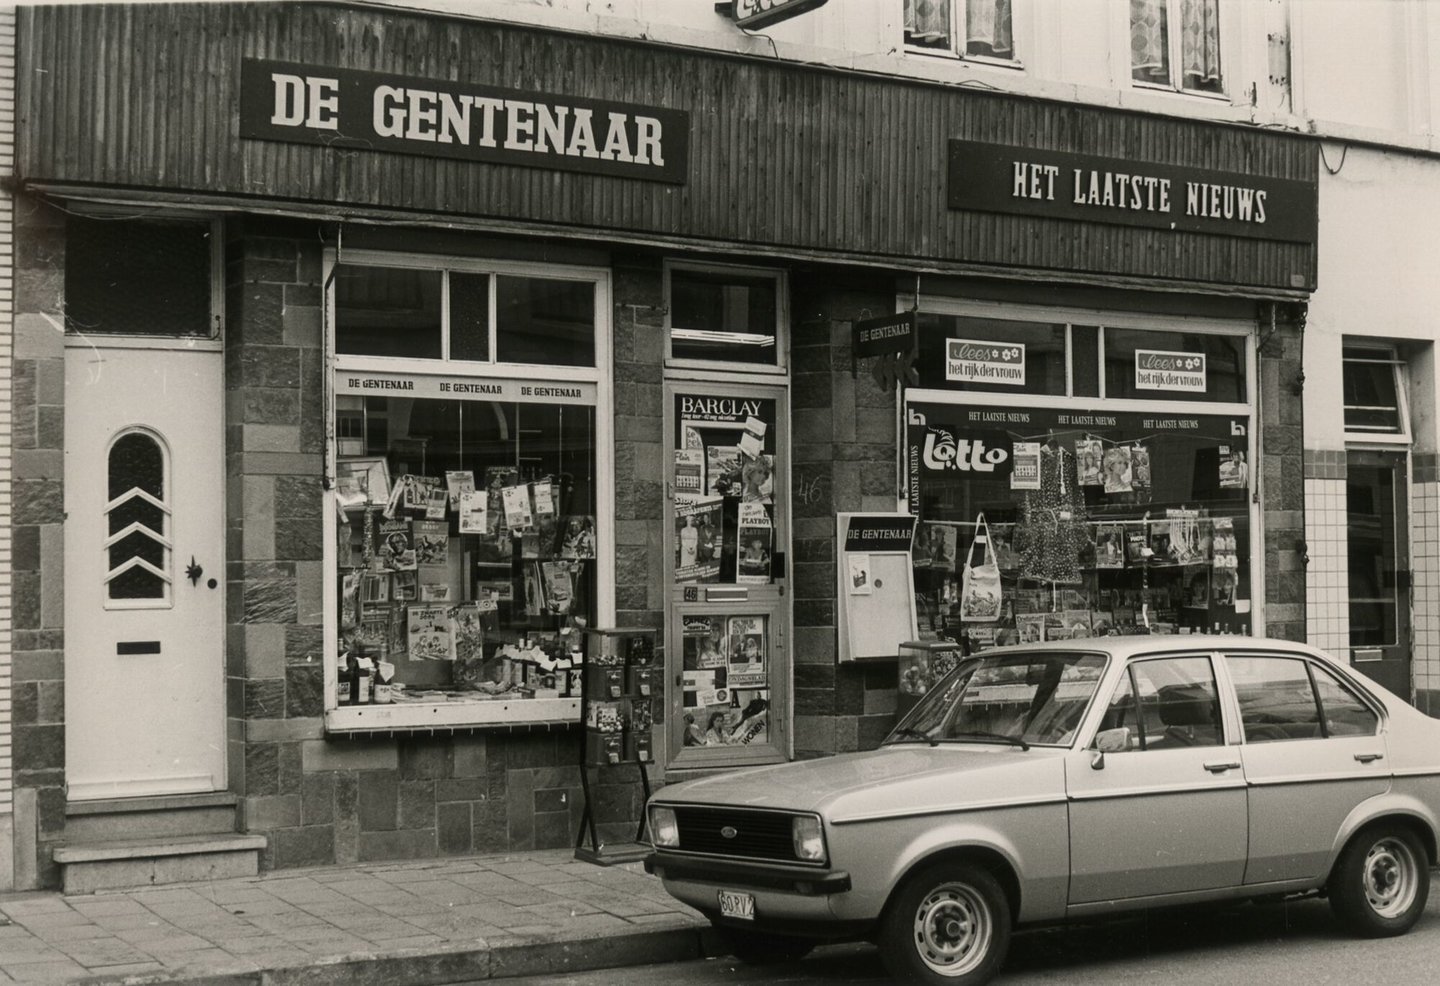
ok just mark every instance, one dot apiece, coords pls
pixel 1116 740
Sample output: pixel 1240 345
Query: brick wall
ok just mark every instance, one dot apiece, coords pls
pixel 7 372
pixel 1282 471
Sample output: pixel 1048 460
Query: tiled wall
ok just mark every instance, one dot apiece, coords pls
pixel 1327 586
pixel 1425 566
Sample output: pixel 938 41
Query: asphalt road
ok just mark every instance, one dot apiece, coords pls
pixel 1292 944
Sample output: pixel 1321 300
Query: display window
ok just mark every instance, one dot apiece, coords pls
pixel 467 537
pixel 1080 514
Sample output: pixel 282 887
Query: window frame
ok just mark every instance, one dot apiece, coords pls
pixel 166 600
pixel 1362 436
pixel 1173 53
pixel 214 339
pixel 403 718
pixel 955 50
pixel 781 278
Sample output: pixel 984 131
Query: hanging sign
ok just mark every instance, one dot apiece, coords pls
pixel 1184 372
pixel 753 14
pixel 887 334
pixel 977 361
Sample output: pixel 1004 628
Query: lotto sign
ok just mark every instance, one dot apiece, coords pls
pixel 975 361
pixel 1183 372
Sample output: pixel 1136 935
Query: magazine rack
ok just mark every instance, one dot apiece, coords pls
pixel 616 706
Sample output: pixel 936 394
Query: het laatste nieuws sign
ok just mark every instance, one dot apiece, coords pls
pixel 354 110
pixel 1088 188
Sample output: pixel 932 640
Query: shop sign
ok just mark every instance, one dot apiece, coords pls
pixel 439 387
pixel 1088 188
pixel 978 361
pixel 754 14
pixel 883 533
pixel 887 334
pixel 375 111
pixel 1156 370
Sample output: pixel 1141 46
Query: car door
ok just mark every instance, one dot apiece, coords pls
pixel 1166 813
pixel 1313 750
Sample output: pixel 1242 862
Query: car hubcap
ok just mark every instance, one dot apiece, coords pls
pixel 953 929
pixel 1390 878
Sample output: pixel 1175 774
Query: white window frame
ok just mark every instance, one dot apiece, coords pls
pixel 166 574
pixel 956 48
pixel 782 319
pixel 1229 20
pixel 1359 437
pixel 412 716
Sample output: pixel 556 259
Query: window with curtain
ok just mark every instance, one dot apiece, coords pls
pixel 1176 44
pixel 928 24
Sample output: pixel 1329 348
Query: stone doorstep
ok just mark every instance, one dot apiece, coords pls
pixel 88 867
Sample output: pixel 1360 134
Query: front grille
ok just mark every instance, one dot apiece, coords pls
pixel 758 834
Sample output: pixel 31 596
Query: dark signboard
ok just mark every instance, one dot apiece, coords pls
pixel 1118 191
pixel 892 533
pixel 887 334
pixel 755 14
pixel 342 108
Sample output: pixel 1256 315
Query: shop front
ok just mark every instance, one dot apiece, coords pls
pixel 480 358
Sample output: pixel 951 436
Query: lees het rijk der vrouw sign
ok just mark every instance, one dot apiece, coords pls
pixel 344 108
pixel 1087 188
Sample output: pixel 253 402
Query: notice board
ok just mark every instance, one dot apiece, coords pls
pixel 876 585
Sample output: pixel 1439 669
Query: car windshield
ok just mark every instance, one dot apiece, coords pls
pixel 1018 698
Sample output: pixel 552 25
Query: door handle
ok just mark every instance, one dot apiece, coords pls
pixel 1220 766
pixel 1367 757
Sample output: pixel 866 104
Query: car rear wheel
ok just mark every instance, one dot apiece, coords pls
pixel 1380 882
pixel 948 924
pixel 757 948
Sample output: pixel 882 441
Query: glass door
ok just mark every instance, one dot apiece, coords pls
pixel 726 572
pixel 1379 566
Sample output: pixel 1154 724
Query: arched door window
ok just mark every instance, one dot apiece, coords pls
pixel 138 521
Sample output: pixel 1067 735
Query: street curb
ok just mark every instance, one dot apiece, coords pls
pixel 459 966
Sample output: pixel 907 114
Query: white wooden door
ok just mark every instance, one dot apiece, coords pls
pixel 144 572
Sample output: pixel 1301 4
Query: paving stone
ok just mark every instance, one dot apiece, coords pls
pixel 45 972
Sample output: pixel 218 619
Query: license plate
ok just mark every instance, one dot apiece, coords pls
pixel 734 904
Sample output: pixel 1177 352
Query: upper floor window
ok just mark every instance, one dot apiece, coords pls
pixel 1372 389
pixel 932 24
pixel 1176 44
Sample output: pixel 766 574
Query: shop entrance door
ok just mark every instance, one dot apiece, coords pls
pixel 728 611
pixel 1376 495
pixel 144 572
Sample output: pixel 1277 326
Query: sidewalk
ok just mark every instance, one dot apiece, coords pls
pixel 422 922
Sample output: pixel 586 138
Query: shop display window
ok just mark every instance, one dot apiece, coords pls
pixel 1066 520
pixel 466 533
pixel 988 355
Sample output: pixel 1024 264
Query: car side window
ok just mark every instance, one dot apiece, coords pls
pixel 1167 703
pixel 1344 713
pixel 1277 700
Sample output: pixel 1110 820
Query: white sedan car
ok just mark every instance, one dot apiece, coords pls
pixel 1071 780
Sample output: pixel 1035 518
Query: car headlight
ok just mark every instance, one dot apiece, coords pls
pixel 808 838
pixel 663 829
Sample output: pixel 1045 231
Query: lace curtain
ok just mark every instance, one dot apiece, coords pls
pixel 987 24
pixel 1199 42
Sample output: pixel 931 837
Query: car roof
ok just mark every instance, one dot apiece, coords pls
pixel 1150 644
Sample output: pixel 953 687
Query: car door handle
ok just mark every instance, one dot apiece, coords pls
pixel 1220 766
pixel 1367 757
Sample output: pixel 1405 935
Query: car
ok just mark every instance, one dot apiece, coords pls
pixel 1064 781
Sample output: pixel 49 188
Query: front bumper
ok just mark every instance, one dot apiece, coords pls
pixel 743 875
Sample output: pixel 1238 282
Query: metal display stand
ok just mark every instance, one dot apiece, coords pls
pixel 616 695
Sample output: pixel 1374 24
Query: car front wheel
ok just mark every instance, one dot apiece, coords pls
pixel 756 948
pixel 948 924
pixel 1381 882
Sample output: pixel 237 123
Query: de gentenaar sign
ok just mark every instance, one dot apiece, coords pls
pixel 376 111
pixel 1087 188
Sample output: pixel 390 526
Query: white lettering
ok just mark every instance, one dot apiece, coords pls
pixel 520 134
pixel 647 141
pixel 324 104
pixel 289 100
pixel 389 117
pixel 582 138
pixel 550 128
pixel 454 119
pixel 423 115
pixel 617 142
